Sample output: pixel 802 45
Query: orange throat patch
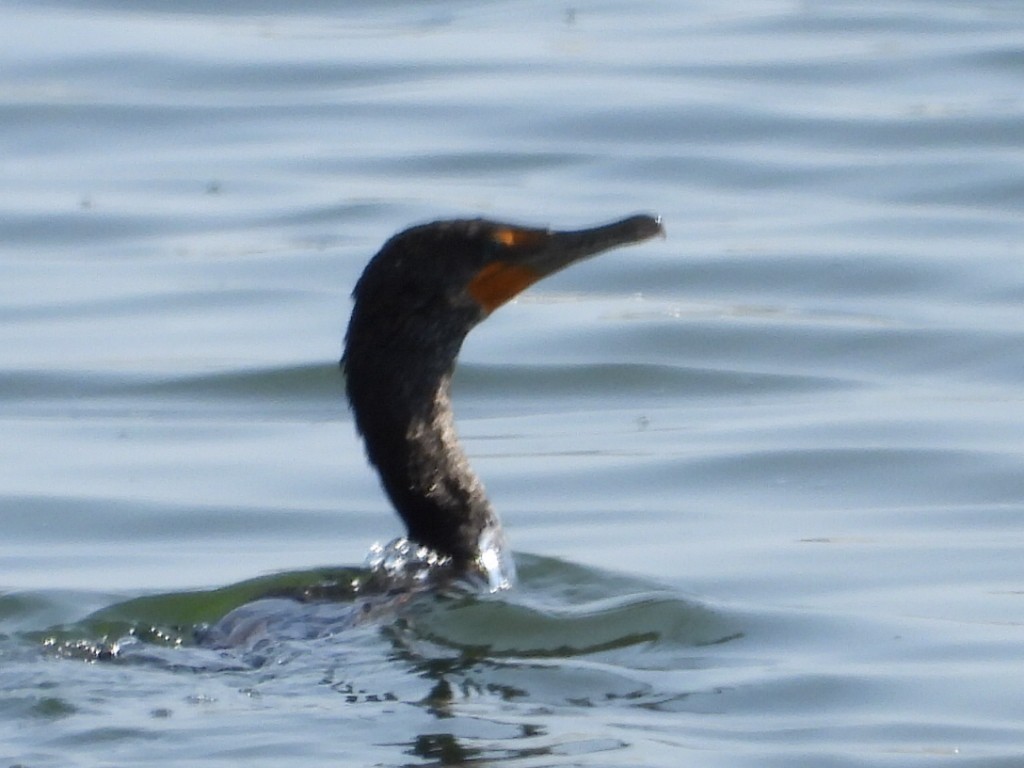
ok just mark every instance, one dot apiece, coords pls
pixel 498 282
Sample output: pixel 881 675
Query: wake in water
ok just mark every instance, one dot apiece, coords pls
pixel 403 591
pixel 442 671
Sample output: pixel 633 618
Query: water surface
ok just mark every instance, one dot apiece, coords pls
pixel 763 478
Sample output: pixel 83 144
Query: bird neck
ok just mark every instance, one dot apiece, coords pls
pixel 405 416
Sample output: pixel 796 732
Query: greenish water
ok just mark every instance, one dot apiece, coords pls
pixel 763 478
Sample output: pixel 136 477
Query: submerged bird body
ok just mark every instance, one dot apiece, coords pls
pixel 417 299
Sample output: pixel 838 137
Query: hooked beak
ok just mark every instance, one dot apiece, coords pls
pixel 529 255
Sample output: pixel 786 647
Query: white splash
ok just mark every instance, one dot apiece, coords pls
pixel 402 563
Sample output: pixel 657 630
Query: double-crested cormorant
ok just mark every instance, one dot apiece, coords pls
pixel 414 304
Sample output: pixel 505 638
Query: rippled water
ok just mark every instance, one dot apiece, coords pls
pixel 764 479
